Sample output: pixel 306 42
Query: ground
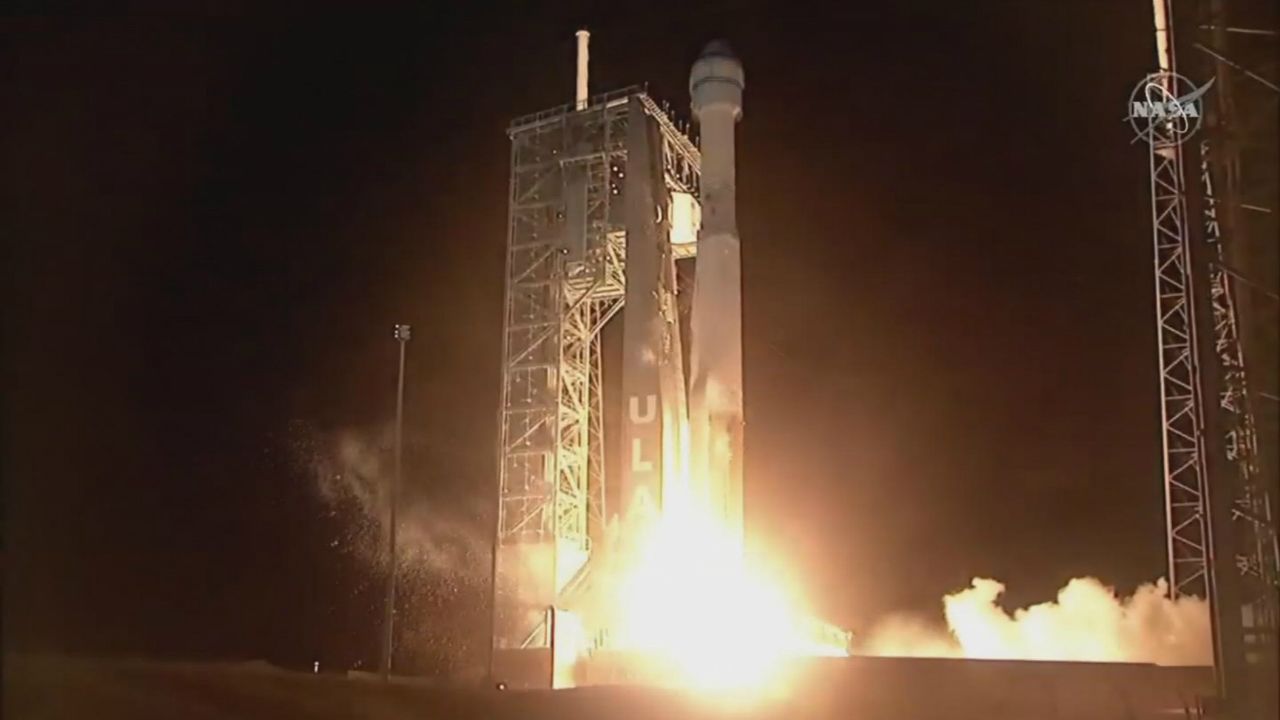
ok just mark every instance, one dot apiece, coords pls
pixel 55 688
pixel 49 688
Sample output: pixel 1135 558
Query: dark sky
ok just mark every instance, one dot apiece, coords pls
pixel 212 220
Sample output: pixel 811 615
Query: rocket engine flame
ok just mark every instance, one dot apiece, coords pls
pixel 683 595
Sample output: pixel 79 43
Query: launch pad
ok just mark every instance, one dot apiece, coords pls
pixel 607 195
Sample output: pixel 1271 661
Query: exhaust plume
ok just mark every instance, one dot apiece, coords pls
pixel 1087 622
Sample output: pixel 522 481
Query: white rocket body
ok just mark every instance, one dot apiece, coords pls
pixel 715 389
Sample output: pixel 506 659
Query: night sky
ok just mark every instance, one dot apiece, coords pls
pixel 212 219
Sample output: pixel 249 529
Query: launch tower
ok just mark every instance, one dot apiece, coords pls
pixel 603 201
pixel 1215 279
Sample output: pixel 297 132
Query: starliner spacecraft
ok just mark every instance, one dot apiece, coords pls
pixel 610 203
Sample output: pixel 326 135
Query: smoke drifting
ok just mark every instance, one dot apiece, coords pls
pixel 1087 622
pixel 442 544
pixel 353 473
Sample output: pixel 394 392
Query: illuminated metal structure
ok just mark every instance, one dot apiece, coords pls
pixel 1235 46
pixel 1181 406
pixel 566 277
pixel 1220 479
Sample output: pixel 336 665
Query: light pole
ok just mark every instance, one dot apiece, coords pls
pixel 401 335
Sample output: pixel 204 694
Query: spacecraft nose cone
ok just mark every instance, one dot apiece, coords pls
pixel 718 48
pixel 716 79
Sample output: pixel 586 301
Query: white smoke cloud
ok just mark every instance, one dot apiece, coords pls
pixel 1087 622
pixel 353 476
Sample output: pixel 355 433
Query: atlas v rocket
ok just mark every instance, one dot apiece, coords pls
pixel 668 437
pixel 715 388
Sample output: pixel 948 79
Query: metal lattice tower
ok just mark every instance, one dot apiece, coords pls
pixel 1181 411
pixel 1180 403
pixel 565 279
pixel 557 298
pixel 1221 528
pixel 1238 184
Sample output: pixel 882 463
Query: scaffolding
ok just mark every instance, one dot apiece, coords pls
pixel 1214 337
pixel 565 280
pixel 1234 45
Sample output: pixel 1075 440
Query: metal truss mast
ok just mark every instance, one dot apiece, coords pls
pixel 1181 411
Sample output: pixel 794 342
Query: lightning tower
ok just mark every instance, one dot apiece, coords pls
pixel 1214 259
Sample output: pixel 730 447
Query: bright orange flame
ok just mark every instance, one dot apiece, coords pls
pixel 687 598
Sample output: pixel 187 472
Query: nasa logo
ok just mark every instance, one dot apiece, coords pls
pixel 1166 108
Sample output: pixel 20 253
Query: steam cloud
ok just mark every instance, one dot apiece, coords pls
pixel 352 472
pixel 442 547
pixel 1087 622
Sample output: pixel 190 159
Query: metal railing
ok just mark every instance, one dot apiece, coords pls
pixel 525 121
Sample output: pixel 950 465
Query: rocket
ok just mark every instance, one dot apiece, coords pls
pixel 654 401
pixel 715 384
pixel 681 443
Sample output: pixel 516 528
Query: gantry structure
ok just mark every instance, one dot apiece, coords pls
pixel 565 280
pixel 1215 258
